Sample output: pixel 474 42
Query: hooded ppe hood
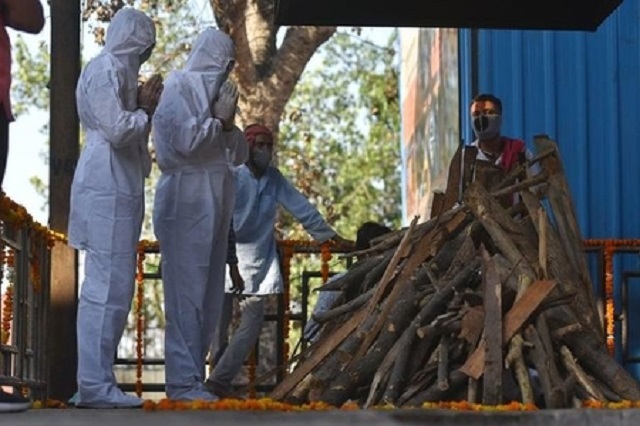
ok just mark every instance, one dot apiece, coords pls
pixel 212 52
pixel 129 35
pixel 209 60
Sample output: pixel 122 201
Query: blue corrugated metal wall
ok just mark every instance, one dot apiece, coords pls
pixel 582 89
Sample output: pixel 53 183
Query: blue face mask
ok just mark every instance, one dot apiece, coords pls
pixel 486 126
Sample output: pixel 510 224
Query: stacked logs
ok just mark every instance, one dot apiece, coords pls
pixel 483 303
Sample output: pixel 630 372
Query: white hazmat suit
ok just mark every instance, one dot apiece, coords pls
pixel 193 207
pixel 107 201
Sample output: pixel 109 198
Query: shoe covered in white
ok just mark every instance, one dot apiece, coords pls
pixel 198 393
pixel 115 398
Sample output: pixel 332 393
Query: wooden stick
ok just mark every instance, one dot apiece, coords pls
pixel 525 184
pixel 443 364
pixel 542 244
pixel 584 380
pixel 515 360
pixel 517 315
pixel 492 389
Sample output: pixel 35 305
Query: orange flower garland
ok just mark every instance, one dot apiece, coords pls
pixel 35 265
pixel 609 307
pixel 286 282
pixel 140 328
pixel 7 314
pixel 609 249
pixel 325 257
pixel 467 406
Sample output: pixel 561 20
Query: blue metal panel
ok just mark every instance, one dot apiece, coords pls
pixel 583 90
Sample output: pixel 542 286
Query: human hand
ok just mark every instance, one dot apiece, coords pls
pixel 224 106
pixel 149 94
pixel 348 244
pixel 237 283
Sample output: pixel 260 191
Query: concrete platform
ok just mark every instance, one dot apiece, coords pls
pixel 73 417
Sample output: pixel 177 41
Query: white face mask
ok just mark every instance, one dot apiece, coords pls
pixel 486 126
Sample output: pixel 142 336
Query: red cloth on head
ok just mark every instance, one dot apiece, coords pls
pixel 252 132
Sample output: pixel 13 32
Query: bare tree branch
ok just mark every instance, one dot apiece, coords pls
pixel 299 45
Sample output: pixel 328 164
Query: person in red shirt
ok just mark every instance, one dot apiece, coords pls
pixel 21 15
pixel 26 16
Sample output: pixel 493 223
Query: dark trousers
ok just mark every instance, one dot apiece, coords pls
pixel 4 146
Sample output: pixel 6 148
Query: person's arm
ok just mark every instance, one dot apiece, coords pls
pixel 184 114
pixel 24 15
pixel 100 95
pixel 304 212
pixel 232 257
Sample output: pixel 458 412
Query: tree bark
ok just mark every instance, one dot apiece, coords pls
pixel 266 75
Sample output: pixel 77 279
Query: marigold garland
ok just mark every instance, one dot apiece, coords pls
pixel 267 404
pixel 7 314
pixel 467 406
pixel 609 249
pixel 286 283
pixel 325 257
pixel 609 319
pixel 140 323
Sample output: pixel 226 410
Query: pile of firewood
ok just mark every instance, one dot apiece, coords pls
pixel 484 304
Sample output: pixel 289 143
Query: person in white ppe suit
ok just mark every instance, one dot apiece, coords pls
pixel 107 198
pixel 196 145
pixel 260 188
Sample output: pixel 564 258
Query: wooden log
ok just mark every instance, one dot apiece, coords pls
pixel 597 361
pixel 357 374
pixel 457 380
pixel 558 267
pixel 356 274
pixel 397 377
pixel 472 325
pixel 401 252
pixel 371 279
pixel 346 382
pixel 443 364
pixel 324 348
pixel 343 309
pixel 561 202
pixel 472 391
pixel 466 253
pixel 501 227
pixel 515 360
pixel 424 249
pixel 515 318
pixel 583 379
pixel 492 386
pixel 544 361
pixel 336 361
pixel 418 384
pixel 423 346
pixel 525 184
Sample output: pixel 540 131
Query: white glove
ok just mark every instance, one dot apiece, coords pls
pixel 224 108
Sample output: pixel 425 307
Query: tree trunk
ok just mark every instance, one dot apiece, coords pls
pixel 266 74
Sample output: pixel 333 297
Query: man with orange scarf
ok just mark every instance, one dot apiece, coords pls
pixel 260 188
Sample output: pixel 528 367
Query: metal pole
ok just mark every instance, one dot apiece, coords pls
pixel 64 152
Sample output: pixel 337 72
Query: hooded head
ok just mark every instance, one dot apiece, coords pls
pixel 212 52
pixel 131 36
